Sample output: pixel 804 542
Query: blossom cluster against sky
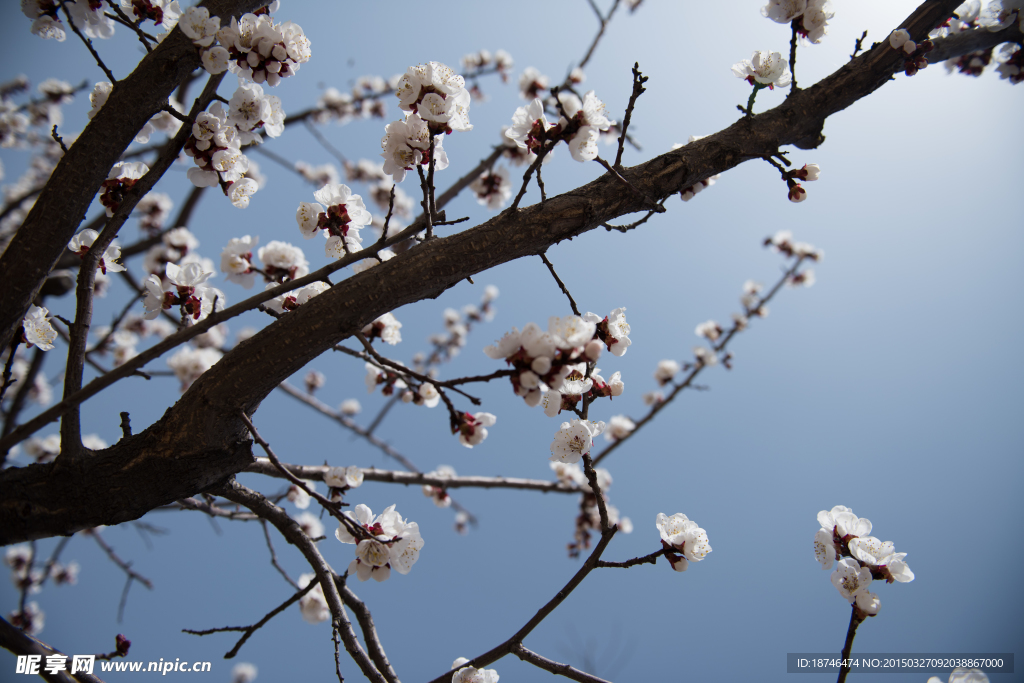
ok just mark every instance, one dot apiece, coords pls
pixel 890 386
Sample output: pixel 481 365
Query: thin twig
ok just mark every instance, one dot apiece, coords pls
pixel 857 45
pixel 88 44
pixel 792 53
pixel 273 555
pixel 249 630
pixel 316 473
pixel 638 89
pixel 646 559
pixel 654 206
pixel 554 667
pixel 290 529
pixel 856 617
pixel 505 648
pixel 561 285
pixel 600 31
pixel 331 149
pixel 688 381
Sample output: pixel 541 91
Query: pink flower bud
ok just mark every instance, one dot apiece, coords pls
pixel 593 349
pixel 797 193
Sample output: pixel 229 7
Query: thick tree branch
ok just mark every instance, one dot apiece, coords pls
pixel 200 441
pixel 20 643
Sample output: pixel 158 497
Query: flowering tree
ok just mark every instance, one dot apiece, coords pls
pixel 173 305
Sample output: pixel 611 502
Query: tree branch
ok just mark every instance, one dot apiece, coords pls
pixel 200 440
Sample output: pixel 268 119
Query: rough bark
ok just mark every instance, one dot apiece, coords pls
pixel 201 440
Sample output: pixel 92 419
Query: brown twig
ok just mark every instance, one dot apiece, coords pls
pixel 856 617
pixel 554 667
pixel 638 89
pixel 561 285
pixel 688 381
pixel 249 630
pixel 88 44
pixel 646 559
pixel 506 647
pixel 290 529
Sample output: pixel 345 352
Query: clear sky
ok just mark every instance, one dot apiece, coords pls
pixel 892 386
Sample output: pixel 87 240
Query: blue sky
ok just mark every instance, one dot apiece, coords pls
pixel 891 386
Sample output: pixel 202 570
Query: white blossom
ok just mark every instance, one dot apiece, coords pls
pixel 468 674
pixel 574 440
pixel 868 602
pixel 313 604
pixel 666 370
pixel 766 68
pixel 473 428
pixel 619 427
pixel 236 260
pixel 189 363
pixel 38 330
pixel 243 672
pixel 437 94
pixel 344 477
pixel 824 548
pixel 396 543
pixel 683 535
pixel 844 522
pixel 199 26
pixel 850 578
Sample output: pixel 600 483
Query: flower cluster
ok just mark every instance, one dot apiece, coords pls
pixel 782 243
pixel 1011 63
pixel 809 173
pixel 579 125
pixel 122 177
pixel 216 147
pixel 438 493
pixel 407 144
pixel 364 101
pixel 254 47
pixel 531 83
pixel 388 378
pixel 289 301
pixel 153 210
pixel 438 95
pixel 553 366
pixel 282 262
pixel 195 300
pixel 914 57
pixel 589 518
pixel 493 188
pixel 457 326
pixel 813 16
pixel 682 541
pixel 81 243
pixel 436 103
pixel 501 61
pixel 472 429
pixel 344 215
pixel 862 558
pixel 313 604
pixel 393 544
pixel 384 328
pixel 1000 14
